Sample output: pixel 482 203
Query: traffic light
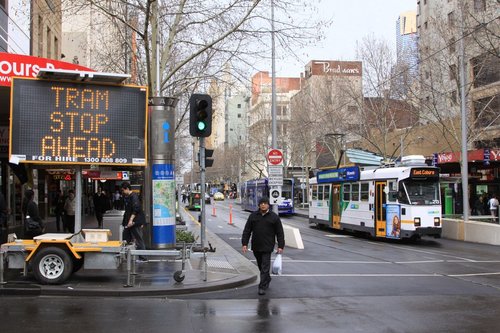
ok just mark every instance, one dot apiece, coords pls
pixel 200 115
pixel 208 160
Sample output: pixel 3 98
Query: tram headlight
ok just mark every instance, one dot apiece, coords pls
pixel 437 221
pixel 416 221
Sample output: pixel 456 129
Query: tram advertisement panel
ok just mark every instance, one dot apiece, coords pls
pixel 393 220
pixel 77 123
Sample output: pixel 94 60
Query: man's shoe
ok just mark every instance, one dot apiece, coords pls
pixel 262 291
pixel 142 260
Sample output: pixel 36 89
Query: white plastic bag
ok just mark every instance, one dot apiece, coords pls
pixel 277 265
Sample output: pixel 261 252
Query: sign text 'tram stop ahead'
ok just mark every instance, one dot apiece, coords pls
pixel 77 123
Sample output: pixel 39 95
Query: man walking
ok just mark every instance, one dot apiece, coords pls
pixel 265 228
pixel 133 219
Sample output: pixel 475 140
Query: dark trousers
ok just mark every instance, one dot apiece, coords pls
pixel 264 263
pixel 99 216
pixel 134 233
pixel 59 222
pixel 69 223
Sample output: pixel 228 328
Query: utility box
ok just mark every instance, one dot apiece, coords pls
pixel 112 220
pixel 96 235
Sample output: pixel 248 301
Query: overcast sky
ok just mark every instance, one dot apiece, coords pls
pixel 352 20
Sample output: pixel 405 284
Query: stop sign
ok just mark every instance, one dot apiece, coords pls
pixel 275 157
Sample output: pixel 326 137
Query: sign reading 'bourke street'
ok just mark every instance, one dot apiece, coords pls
pixel 77 123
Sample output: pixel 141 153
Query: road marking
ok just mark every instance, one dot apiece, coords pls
pixel 474 274
pixel 337 236
pixel 419 262
pixel 362 275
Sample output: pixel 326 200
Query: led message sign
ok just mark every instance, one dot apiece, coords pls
pixel 77 123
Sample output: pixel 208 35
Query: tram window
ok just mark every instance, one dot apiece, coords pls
pixel 355 192
pixel 320 192
pixel 315 192
pixel 365 191
pixel 347 192
pixel 402 197
pixel 393 194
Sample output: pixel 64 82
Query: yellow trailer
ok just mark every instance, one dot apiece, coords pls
pixel 53 257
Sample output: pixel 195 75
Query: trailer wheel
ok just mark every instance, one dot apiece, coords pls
pixel 52 265
pixel 179 276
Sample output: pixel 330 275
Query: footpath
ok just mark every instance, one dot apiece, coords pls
pixel 226 268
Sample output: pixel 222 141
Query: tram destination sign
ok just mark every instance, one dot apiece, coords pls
pixel 56 122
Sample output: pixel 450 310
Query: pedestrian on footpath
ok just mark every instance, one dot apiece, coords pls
pixel 69 212
pixel 493 203
pixel 101 205
pixel 265 228
pixel 31 213
pixel 59 209
pixel 133 219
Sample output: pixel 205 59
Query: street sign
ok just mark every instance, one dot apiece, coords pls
pixel 275 170
pixel 179 179
pixel 275 195
pixel 275 180
pixel 275 157
pixel 58 122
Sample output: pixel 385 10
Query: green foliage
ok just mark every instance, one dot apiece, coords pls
pixel 184 236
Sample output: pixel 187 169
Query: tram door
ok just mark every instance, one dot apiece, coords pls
pixel 336 206
pixel 380 200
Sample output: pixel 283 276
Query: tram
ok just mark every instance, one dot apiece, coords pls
pixel 253 190
pixel 386 202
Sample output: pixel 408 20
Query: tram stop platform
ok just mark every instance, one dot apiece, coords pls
pixel 225 268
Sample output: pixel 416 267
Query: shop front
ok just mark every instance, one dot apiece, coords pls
pixel 484 179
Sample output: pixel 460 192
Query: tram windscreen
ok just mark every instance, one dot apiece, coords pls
pixel 286 190
pixel 419 192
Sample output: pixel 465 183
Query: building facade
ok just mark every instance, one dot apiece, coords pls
pixel 325 111
pixel 260 119
pixel 449 32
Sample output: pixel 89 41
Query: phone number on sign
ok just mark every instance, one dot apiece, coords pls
pixel 105 160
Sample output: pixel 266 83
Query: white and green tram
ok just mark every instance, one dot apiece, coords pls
pixel 386 202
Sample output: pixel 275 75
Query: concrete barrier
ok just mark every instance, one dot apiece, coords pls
pixel 477 232
pixel 292 237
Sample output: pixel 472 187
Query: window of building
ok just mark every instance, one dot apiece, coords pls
pixel 453 98
pixel 425 2
pixel 486 111
pixel 425 25
pixel 351 109
pixel 486 69
pixel 453 72
pixel 427 74
pixel 479 5
pixel 451 19
pixel 239 106
pixel 451 45
pixel 49 43
pixel 239 115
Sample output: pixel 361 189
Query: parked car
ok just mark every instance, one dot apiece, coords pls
pixel 218 196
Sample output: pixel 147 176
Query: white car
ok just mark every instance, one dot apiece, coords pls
pixel 218 196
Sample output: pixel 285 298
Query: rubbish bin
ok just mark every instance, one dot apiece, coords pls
pixel 112 220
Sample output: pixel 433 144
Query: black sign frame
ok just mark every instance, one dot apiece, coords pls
pixel 80 123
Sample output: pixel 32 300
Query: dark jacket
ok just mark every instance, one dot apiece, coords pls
pixel 32 212
pixel 133 206
pixel 265 230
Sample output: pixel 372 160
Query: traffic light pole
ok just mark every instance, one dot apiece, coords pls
pixel 203 191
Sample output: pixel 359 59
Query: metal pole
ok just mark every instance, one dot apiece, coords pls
pixel 202 180
pixel 273 89
pixel 464 157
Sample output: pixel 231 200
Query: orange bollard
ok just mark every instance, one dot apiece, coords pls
pixel 213 209
pixel 230 214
